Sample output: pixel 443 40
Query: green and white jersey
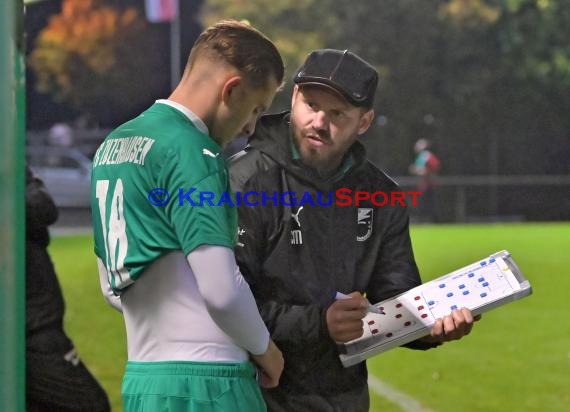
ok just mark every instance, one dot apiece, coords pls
pixel 141 164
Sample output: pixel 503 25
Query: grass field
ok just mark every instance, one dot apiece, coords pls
pixel 516 359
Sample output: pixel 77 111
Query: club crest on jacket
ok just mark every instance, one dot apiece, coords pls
pixel 364 221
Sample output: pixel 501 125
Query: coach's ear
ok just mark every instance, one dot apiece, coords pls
pixel 365 121
pixel 295 95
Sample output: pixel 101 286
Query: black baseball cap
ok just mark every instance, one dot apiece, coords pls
pixel 344 72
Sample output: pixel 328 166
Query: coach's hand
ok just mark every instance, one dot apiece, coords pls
pixel 452 327
pixel 344 317
pixel 270 365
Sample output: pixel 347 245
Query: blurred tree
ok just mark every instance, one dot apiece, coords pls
pixel 470 68
pixel 534 42
pixel 486 80
pixel 509 85
pixel 41 110
pixel 90 56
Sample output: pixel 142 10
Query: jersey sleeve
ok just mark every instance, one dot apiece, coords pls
pixel 200 210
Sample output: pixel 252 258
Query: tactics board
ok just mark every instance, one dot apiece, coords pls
pixel 481 286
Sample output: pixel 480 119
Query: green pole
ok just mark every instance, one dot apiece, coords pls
pixel 12 212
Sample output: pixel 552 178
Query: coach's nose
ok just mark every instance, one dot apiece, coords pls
pixel 320 120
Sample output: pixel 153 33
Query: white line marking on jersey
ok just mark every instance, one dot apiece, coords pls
pixel 208 153
pixel 403 401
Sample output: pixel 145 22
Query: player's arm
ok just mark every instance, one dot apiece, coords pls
pixel 231 305
pixel 206 234
pixel 110 297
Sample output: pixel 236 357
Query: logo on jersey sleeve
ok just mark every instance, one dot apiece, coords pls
pixel 209 153
pixel 364 222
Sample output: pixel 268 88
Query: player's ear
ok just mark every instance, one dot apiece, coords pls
pixel 230 89
pixel 365 121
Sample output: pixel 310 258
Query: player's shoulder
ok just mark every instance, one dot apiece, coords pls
pixel 178 133
pixel 165 123
pixel 160 137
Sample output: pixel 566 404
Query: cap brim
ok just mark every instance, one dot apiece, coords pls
pixel 329 86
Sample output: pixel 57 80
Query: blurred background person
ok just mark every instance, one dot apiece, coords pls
pixel 61 134
pixel 426 165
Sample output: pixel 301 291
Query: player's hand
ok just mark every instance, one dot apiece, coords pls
pixel 270 366
pixel 344 318
pixel 452 327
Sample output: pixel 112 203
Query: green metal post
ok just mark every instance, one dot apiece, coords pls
pixel 12 210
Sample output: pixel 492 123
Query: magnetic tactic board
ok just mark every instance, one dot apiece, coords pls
pixel 481 286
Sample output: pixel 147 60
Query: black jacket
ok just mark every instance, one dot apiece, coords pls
pixel 44 301
pixel 294 264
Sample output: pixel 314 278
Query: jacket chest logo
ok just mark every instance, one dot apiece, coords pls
pixel 296 234
pixel 364 223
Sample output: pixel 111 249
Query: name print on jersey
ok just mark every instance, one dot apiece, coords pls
pixel 131 149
